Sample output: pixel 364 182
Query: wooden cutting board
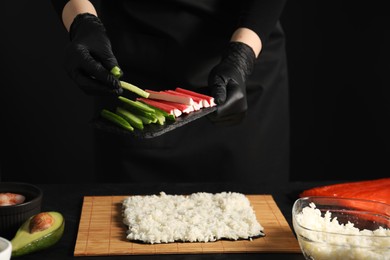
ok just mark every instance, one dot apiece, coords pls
pixel 101 232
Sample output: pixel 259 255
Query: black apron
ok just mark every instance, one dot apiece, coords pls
pixel 167 44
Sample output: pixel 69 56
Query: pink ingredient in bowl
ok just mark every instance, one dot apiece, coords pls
pixel 9 199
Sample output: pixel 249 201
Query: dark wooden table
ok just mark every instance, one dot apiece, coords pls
pixel 68 198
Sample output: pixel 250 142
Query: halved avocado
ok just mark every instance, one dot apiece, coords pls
pixel 26 242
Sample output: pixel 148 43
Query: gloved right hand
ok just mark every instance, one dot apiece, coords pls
pixel 227 82
pixel 89 59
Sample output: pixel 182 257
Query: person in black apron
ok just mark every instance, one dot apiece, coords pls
pixel 162 45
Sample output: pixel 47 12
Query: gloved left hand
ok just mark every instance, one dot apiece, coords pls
pixel 90 61
pixel 227 83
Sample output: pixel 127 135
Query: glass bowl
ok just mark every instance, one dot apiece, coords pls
pixel 342 228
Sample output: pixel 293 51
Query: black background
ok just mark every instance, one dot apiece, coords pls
pixel 339 96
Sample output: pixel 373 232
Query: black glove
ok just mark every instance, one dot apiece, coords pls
pixel 227 83
pixel 89 59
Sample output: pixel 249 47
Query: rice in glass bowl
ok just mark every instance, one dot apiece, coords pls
pixel 342 228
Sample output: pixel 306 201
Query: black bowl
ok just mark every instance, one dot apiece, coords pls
pixel 13 216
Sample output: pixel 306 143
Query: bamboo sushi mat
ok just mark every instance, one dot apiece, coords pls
pixel 101 232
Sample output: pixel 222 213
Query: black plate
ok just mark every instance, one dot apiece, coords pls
pixel 152 130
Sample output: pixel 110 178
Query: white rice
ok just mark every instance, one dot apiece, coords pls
pixel 352 244
pixel 198 217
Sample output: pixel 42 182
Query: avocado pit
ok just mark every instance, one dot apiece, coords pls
pixel 40 222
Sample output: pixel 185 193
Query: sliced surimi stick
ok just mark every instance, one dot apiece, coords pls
pixel 182 107
pixel 207 100
pixel 163 95
pixel 167 108
pixel 198 102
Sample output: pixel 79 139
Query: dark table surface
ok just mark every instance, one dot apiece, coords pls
pixel 68 198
